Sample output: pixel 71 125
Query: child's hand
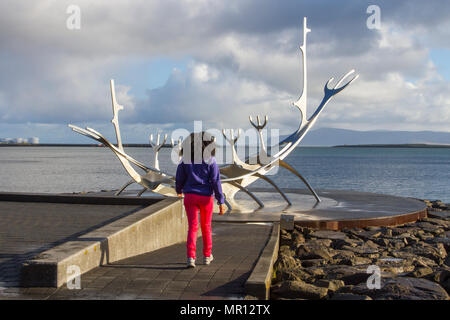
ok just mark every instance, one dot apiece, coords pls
pixel 222 209
pixel 180 195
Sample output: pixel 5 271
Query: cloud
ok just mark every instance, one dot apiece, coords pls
pixel 244 60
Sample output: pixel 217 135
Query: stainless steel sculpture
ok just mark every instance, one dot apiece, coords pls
pixel 239 174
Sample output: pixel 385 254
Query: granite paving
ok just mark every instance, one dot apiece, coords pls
pixel 162 274
pixel 28 228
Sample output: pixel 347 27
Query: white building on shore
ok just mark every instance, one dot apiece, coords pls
pixel 32 140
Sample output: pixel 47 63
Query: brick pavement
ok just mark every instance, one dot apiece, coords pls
pixel 28 228
pixel 162 274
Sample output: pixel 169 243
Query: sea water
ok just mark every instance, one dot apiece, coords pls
pixel 412 172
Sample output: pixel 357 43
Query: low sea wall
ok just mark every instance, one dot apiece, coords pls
pixel 156 226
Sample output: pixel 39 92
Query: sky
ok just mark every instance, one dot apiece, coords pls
pixel 176 62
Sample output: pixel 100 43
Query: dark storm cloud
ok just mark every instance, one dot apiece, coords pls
pixel 245 57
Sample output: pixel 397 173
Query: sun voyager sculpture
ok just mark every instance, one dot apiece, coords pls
pixel 239 174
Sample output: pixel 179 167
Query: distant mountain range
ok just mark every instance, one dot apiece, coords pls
pixel 333 137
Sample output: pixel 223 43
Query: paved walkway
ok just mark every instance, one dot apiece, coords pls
pixel 162 274
pixel 28 228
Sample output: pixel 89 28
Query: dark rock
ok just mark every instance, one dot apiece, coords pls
pixel 373 228
pixel 424 236
pixel 438 222
pixel 285 249
pixel 343 254
pixel 300 274
pixel 366 235
pixel 300 290
pixel 442 277
pixel 387 232
pixel 404 288
pixel 338 244
pixel 397 244
pixel 356 261
pixel 306 252
pixel 444 280
pixel 361 250
pixel 397 231
pixel 349 296
pixel 355 278
pixel 327 234
pixel 371 244
pixel 415 259
pixel 422 272
pixel 297 239
pixel 313 263
pixel 429 227
pixel 382 242
pixel 320 243
pixel 285 264
pixel 394 265
pixel 331 285
pixel 445 241
pixel 285 238
pixel 437 252
pixel 316 272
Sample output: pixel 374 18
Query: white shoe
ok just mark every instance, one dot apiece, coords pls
pixel 207 260
pixel 191 263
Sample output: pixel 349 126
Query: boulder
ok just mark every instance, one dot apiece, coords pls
pixel 369 235
pixel 331 285
pixel 285 265
pixel 356 261
pixel 355 278
pixel 297 239
pixel 363 250
pixel 313 263
pixel 404 288
pixel 382 242
pixel 430 227
pixel 424 236
pixel 285 238
pixel 422 272
pixel 338 244
pixel 349 296
pixel 300 290
pixel 307 252
pixel 437 252
pixel 316 272
pixel 438 222
pixel 328 234
pixel 343 254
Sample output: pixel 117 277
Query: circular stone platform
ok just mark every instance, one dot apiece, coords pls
pixel 338 209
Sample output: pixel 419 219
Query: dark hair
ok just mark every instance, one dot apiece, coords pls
pixel 192 143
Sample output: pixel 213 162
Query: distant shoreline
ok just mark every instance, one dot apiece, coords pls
pixel 138 145
pixel 144 145
pixel 407 145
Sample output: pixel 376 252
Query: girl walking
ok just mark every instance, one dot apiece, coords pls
pixel 198 177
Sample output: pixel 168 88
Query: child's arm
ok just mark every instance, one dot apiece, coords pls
pixel 216 183
pixel 180 179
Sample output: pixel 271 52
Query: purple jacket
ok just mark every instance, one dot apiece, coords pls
pixel 201 179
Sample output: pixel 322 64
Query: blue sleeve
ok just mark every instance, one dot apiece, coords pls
pixel 180 178
pixel 216 183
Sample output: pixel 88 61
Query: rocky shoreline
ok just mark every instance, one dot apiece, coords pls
pixel 411 260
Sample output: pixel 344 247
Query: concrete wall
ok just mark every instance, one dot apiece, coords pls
pixel 156 226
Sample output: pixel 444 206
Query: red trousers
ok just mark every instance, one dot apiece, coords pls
pixel 194 203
